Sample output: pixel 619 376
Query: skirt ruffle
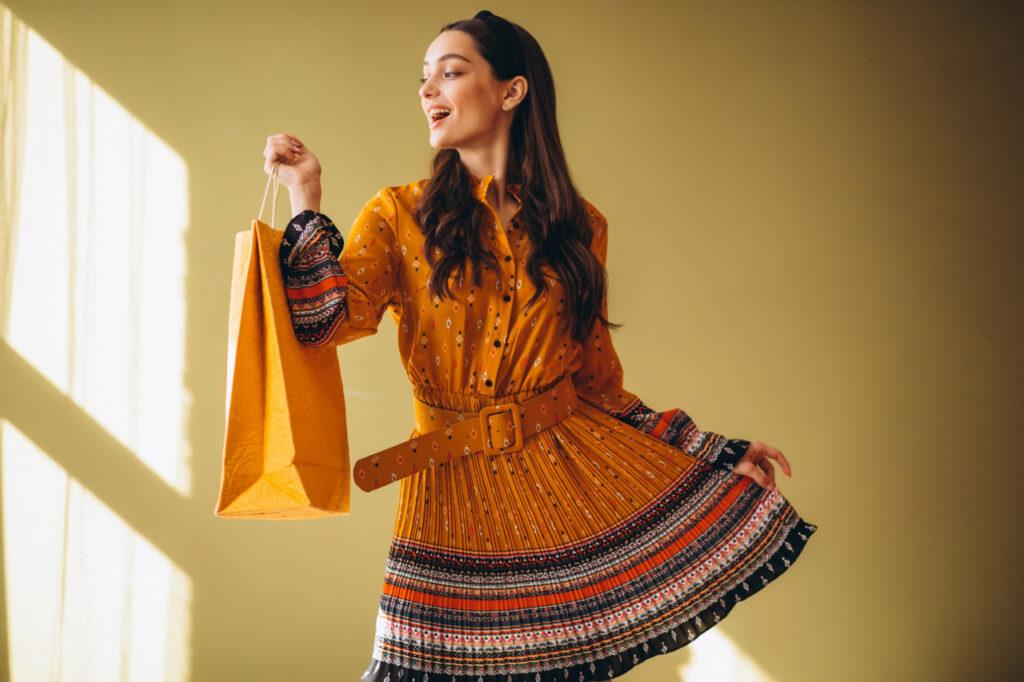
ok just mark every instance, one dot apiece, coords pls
pixel 595 547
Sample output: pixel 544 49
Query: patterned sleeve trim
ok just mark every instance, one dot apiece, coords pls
pixel 676 428
pixel 316 286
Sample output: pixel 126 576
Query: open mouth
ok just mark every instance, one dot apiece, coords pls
pixel 439 114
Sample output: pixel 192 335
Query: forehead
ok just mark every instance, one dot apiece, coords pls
pixel 457 42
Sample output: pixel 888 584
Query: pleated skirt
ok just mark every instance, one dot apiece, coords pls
pixel 593 548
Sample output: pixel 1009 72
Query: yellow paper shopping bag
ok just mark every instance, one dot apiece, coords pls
pixel 285 442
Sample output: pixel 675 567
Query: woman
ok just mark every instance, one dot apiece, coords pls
pixel 584 532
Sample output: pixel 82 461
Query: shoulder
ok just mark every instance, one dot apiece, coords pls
pixel 596 217
pixel 599 241
pixel 398 197
pixel 394 204
pixel 404 197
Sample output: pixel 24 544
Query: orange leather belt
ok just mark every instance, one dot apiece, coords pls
pixel 494 430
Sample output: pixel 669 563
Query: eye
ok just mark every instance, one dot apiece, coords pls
pixel 447 74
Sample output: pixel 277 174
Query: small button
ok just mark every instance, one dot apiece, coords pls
pixel 497 344
pixel 488 382
pixel 507 298
pixel 508 257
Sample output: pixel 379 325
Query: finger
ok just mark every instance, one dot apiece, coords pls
pixel 272 160
pixel 769 471
pixel 283 152
pixel 293 147
pixel 275 148
pixel 784 463
pixel 759 477
pixel 753 472
pixel 284 141
pixel 279 139
pixel 777 455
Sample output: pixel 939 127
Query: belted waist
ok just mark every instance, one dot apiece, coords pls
pixel 446 434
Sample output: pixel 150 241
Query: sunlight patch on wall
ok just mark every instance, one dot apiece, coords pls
pixel 97 302
pixel 714 658
pixel 96 306
pixel 88 598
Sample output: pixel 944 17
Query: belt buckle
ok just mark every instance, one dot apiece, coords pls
pixel 517 428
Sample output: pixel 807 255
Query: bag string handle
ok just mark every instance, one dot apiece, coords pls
pixel 277 188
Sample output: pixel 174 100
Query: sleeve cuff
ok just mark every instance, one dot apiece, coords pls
pixel 305 229
pixel 730 454
pixel 676 428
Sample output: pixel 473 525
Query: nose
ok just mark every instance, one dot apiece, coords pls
pixel 427 87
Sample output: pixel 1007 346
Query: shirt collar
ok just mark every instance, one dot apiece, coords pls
pixel 480 186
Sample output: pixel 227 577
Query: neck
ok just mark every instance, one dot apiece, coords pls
pixel 492 160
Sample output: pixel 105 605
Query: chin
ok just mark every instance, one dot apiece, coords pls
pixel 440 144
pixel 446 140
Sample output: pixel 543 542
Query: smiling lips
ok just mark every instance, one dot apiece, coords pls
pixel 437 114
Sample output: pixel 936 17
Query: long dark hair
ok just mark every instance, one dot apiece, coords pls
pixel 553 213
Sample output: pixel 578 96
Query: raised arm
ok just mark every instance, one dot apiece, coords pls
pixel 338 292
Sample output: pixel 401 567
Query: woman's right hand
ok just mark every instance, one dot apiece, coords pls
pixel 299 167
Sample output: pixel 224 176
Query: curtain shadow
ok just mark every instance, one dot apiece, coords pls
pixel 95 458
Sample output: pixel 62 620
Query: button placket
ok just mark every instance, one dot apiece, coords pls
pixel 503 300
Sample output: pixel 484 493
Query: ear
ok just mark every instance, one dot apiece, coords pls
pixel 515 91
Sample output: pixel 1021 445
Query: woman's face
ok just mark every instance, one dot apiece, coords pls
pixel 458 80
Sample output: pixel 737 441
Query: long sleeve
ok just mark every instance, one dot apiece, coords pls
pixel 599 382
pixel 338 291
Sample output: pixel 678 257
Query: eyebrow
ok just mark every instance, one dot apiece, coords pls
pixel 448 56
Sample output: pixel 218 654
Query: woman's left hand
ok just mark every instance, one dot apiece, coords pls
pixel 756 464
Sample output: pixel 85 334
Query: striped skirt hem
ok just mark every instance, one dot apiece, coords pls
pixel 641 581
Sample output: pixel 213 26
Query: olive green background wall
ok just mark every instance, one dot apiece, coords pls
pixel 816 231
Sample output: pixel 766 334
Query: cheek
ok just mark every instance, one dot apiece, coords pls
pixel 484 116
pixel 477 106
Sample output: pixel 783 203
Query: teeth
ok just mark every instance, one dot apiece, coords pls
pixel 437 113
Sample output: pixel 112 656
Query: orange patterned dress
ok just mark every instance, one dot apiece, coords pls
pixel 617 534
